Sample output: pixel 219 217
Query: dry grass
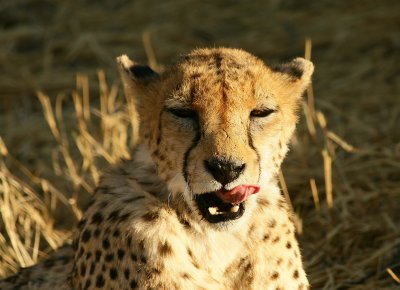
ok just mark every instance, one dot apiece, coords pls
pixel 342 176
pixel 28 201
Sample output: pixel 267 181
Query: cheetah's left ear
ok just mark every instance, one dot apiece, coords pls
pixel 296 74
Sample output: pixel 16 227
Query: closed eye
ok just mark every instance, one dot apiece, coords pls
pixel 261 113
pixel 183 113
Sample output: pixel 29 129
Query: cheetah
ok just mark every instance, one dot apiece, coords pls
pixel 198 206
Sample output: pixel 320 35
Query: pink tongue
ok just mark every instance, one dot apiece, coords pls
pixel 238 194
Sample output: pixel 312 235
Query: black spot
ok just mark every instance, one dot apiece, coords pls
pixel 74 246
pixel 143 259
pixel 248 267
pixel 85 236
pixel 165 249
pixel 133 257
pixel 296 274
pixel 116 233
pixel 288 245
pixel 113 215
pixel 98 256
pixel 195 76
pixel 113 273
pixel 81 223
pixel 127 273
pixel 275 276
pixel 82 270
pixel 120 254
pixel 97 218
pixel 100 281
pixel 80 253
pixel 133 284
pixel 88 255
pixel 106 244
pixel 276 240
pixel 92 268
pixel 109 257
pixel 88 283
pixel 185 276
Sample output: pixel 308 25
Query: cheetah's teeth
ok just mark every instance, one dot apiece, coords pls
pixel 213 210
pixel 235 208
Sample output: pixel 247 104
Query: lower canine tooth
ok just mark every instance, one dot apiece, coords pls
pixel 235 208
pixel 212 210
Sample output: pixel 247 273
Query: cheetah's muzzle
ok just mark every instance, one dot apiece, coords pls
pixel 224 205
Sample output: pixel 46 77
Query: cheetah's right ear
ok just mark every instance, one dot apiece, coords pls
pixel 137 81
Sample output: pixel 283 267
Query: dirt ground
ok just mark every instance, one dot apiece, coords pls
pixel 356 50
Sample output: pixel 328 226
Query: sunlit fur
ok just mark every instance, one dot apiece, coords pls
pixel 223 86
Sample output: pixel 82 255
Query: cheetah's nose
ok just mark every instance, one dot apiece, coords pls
pixel 224 171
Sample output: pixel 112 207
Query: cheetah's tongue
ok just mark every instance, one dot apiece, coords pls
pixel 238 194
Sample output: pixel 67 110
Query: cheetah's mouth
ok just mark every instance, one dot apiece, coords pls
pixel 224 205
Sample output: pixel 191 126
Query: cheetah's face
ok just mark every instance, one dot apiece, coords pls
pixel 217 124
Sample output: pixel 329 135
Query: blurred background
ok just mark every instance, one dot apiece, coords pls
pixel 342 175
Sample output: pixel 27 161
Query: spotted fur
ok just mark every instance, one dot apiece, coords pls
pixel 143 229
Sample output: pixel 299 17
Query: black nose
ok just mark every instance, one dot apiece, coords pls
pixel 224 171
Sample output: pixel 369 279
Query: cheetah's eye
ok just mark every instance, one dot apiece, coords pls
pixel 261 113
pixel 183 113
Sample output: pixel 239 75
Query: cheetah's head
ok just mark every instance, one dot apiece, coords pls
pixel 217 124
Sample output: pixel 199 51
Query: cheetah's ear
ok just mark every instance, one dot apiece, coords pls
pixel 133 71
pixel 296 74
pixel 137 80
